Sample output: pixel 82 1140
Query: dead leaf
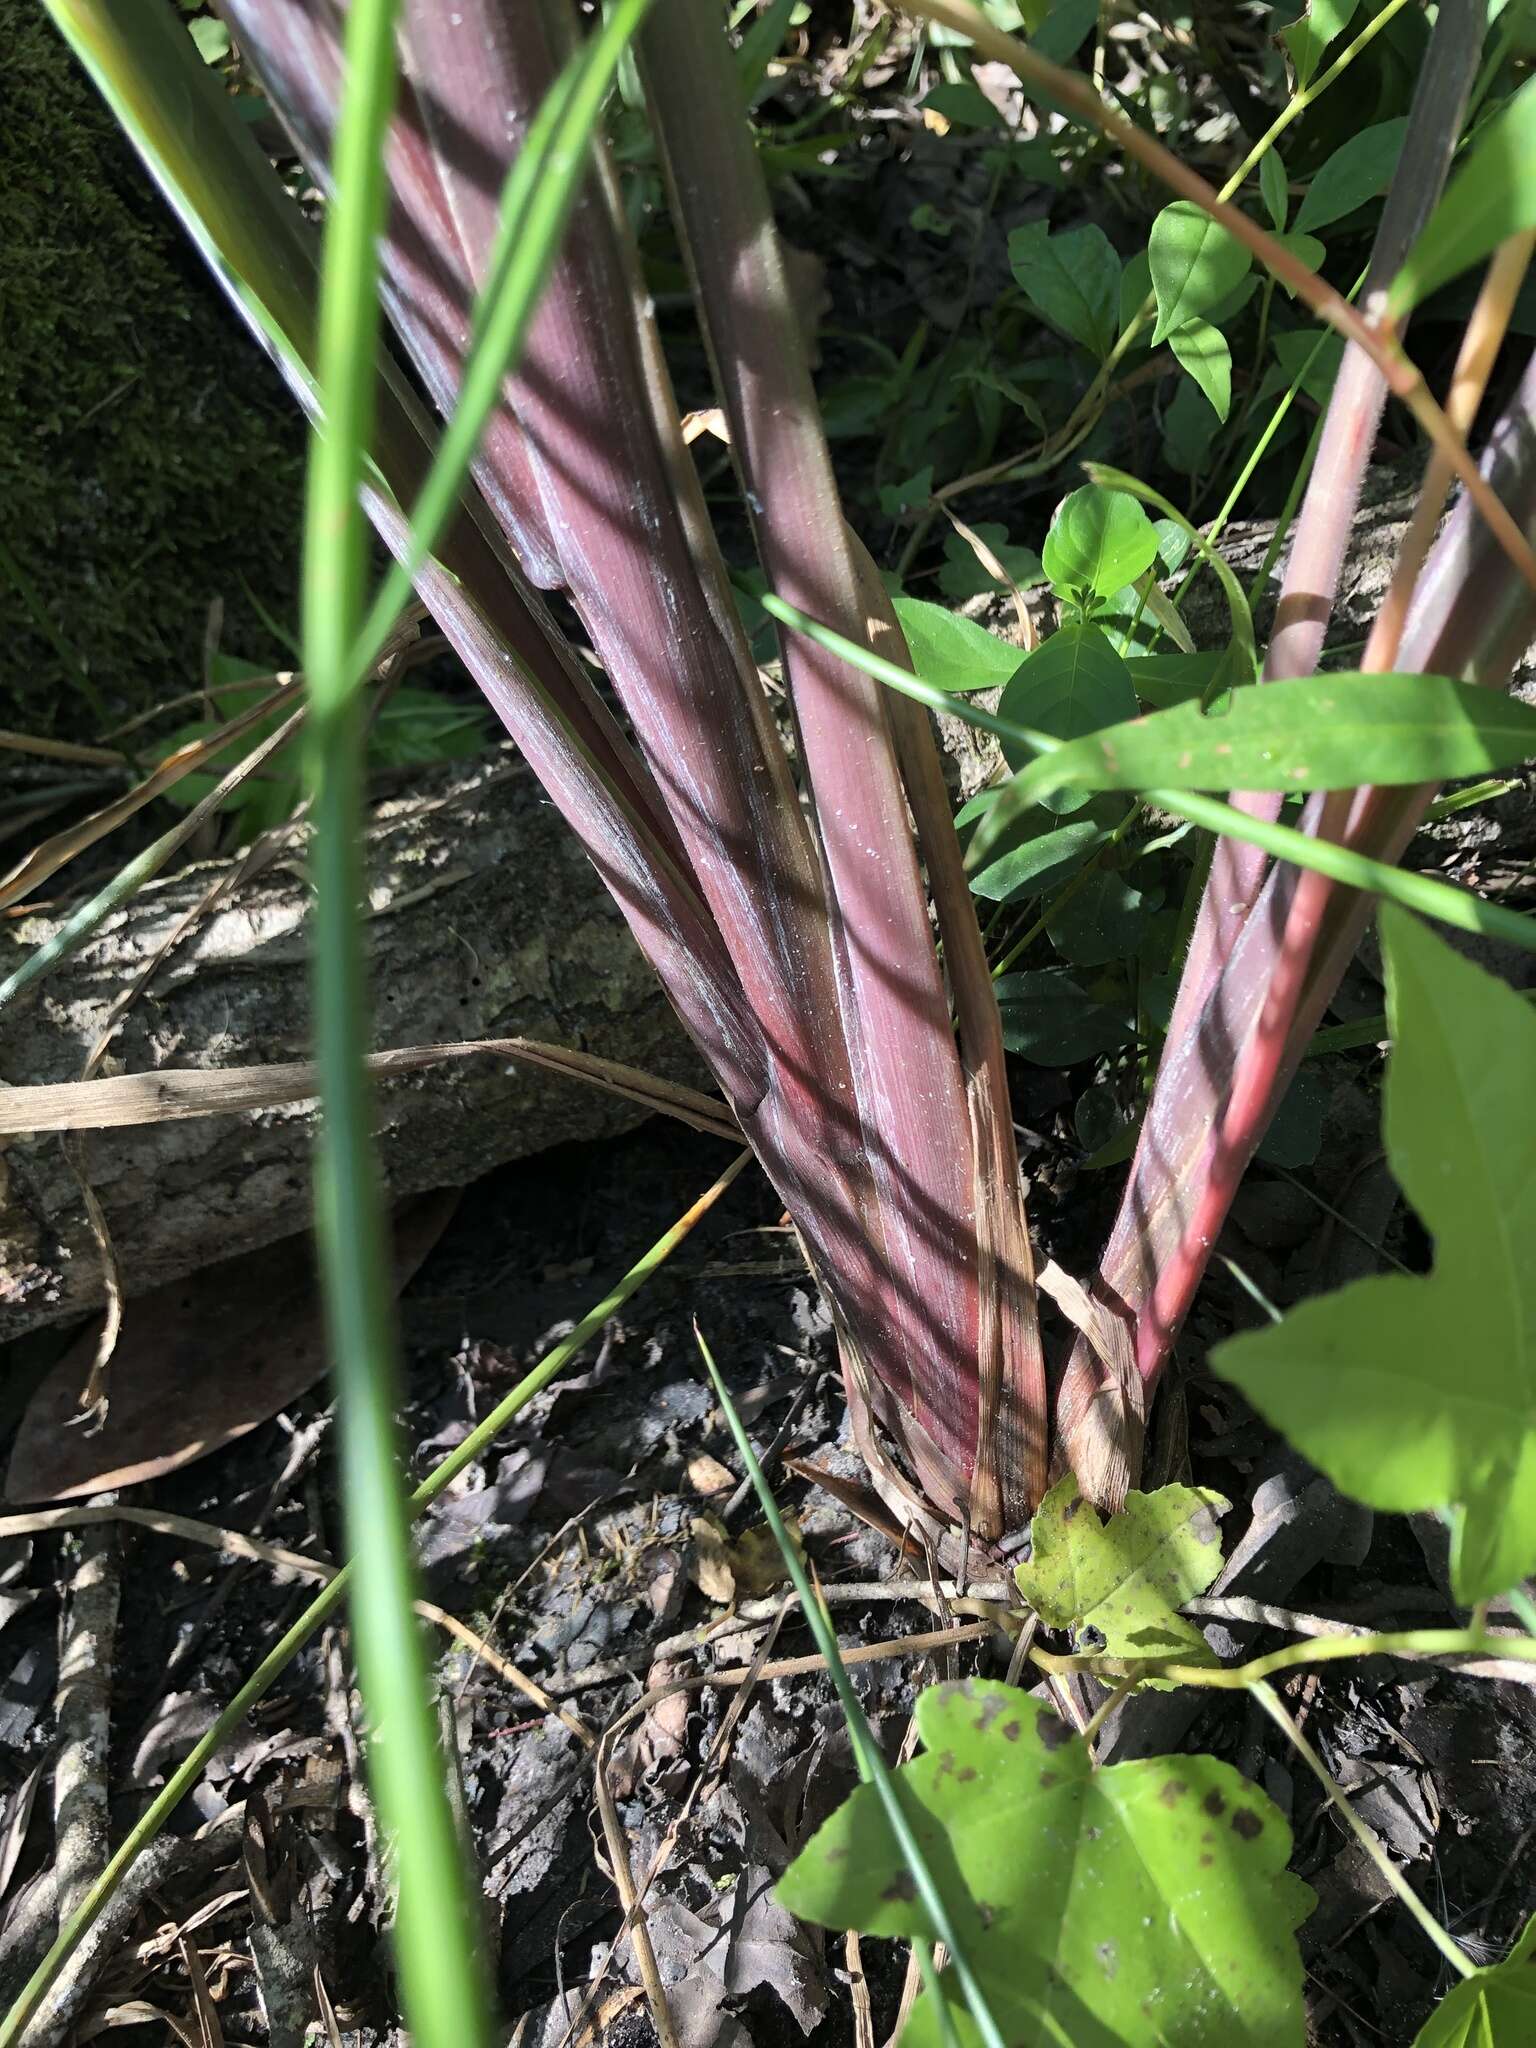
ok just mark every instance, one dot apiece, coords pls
pixel 757 1560
pixel 710 1565
pixel 708 1476
pixel 199 1363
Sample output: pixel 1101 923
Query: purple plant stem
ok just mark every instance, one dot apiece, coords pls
pixel 1311 579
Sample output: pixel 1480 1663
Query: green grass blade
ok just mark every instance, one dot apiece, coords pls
pixel 442 1983
pixel 1439 900
pixel 873 1768
pixel 272 1666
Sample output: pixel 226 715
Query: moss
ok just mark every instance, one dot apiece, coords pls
pixel 150 459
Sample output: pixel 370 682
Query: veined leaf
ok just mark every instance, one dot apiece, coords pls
pixel 1125 1578
pixel 1138 1905
pixel 954 653
pixel 1049 1019
pixel 1203 352
pixel 1359 169
pixel 1415 1393
pixel 1099 541
pixel 1491 197
pixel 1074 684
pixel 1194 264
pixel 1238 661
pixel 1071 279
pixel 1044 854
pixel 1493 2008
pixel 1317 732
pixel 1273 188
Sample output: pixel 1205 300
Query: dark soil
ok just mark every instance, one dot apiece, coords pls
pixel 574 1550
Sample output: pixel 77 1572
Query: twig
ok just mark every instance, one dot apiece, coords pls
pixel 84 1713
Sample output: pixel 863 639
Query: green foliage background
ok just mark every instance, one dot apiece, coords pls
pixel 149 457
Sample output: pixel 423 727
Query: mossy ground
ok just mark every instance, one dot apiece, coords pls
pixel 150 460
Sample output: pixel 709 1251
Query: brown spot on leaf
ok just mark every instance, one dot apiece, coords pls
pixel 901 1889
pixel 991 1707
pixel 1052 1731
pixel 1071 1507
pixel 1048 1779
pixel 1172 1790
pixel 1011 1731
pixel 1247 1824
pixel 1214 1804
pixel 1207 1860
pixel 966 1776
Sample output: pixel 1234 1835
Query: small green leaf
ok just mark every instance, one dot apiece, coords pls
pixel 1202 351
pixel 1308 357
pixel 1104 920
pixel 1491 197
pixel 1493 2008
pixel 211 38
pixel 1317 732
pixel 954 653
pixel 1306 249
pixel 1358 170
pixel 1307 38
pixel 1049 1019
pixel 1274 189
pixel 1099 541
pixel 1072 685
pixel 1044 855
pixel 927 220
pixel 1128 1577
pixel 1071 279
pixel 1417 1393
pixel 963 105
pixel 1138 1905
pixel 1194 264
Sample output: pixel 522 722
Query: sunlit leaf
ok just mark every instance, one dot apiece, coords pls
pixel 1130 1907
pixel 1202 350
pixel 951 652
pixel 1099 541
pixel 1042 855
pixel 1491 197
pixel 1420 1392
pixel 1126 1578
pixel 1307 38
pixel 1359 169
pixel 1273 188
pixel 1316 732
pixel 1195 263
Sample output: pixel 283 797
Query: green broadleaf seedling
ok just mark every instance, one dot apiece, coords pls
pixel 1137 1905
pixel 1125 1579
pixel 1194 263
pixel 952 652
pixel 1072 279
pixel 1420 1392
pixel 1099 541
pixel 1203 354
pixel 1075 684
pixel 1308 37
